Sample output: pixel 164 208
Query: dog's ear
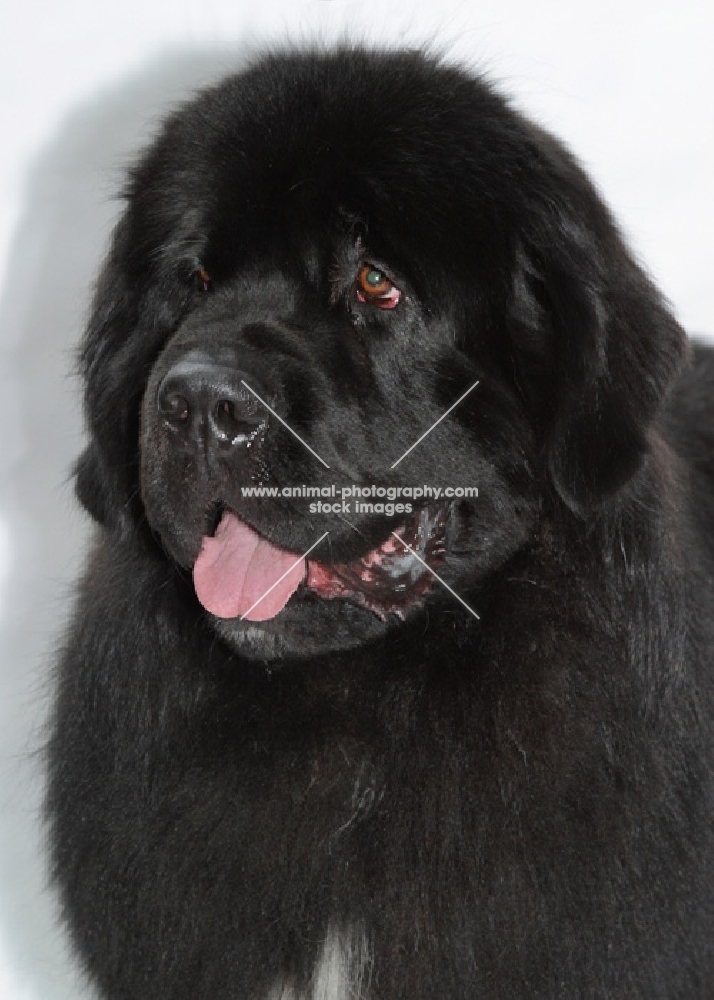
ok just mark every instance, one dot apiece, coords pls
pixel 598 330
pixel 111 367
pixel 140 295
pixel 93 487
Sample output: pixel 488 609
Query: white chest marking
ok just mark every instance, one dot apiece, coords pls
pixel 342 971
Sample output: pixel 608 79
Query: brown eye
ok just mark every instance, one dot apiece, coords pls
pixel 372 281
pixel 203 279
pixel 375 287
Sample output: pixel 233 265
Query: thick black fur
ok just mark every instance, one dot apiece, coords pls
pixel 509 808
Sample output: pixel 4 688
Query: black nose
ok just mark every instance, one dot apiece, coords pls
pixel 207 402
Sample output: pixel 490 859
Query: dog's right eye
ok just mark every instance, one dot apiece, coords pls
pixel 203 280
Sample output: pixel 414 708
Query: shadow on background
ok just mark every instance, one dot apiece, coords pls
pixel 69 209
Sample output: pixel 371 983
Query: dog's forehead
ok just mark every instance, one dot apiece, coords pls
pixel 373 133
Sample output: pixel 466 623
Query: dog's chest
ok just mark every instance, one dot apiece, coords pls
pixel 342 971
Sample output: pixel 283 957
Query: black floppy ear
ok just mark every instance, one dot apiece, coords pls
pixel 601 331
pixel 139 299
pixel 106 474
pixel 93 487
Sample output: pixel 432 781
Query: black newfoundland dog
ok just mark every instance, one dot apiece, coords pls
pixel 400 742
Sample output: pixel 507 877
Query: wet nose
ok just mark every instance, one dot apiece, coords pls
pixel 203 401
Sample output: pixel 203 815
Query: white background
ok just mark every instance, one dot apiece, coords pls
pixel 628 84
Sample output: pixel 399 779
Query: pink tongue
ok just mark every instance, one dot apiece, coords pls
pixel 237 568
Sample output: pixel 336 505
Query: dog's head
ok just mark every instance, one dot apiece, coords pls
pixel 318 259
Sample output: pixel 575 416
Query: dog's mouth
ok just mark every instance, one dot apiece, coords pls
pixel 241 574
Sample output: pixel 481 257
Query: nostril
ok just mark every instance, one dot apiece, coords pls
pixel 174 407
pixel 231 421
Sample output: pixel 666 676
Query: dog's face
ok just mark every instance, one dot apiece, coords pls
pixel 319 259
